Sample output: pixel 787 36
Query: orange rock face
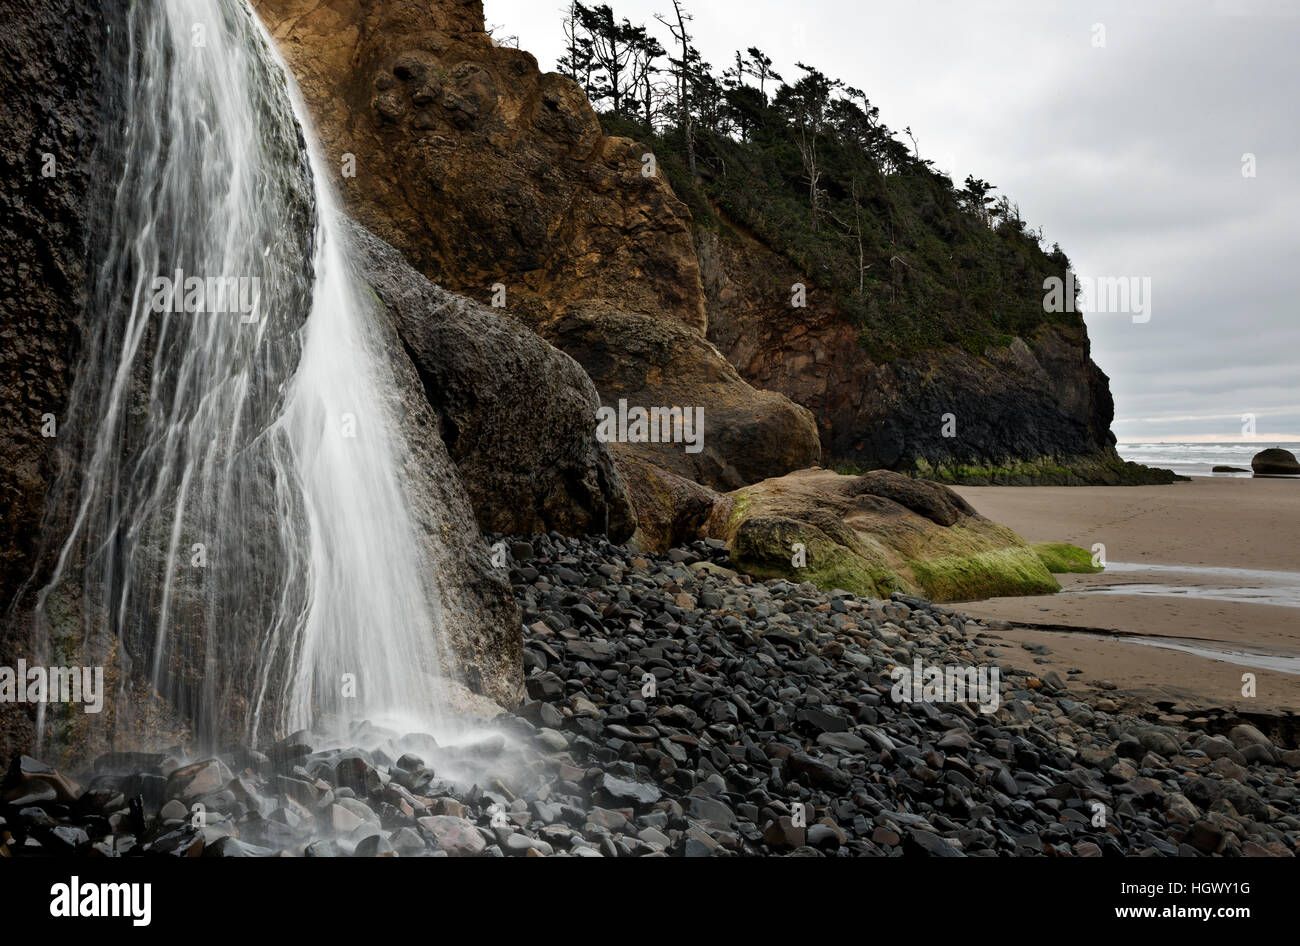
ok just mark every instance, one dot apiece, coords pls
pixel 495 181
pixel 481 169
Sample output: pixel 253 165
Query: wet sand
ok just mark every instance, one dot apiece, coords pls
pixel 1250 527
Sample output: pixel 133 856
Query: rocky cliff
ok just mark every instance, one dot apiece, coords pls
pixel 51 84
pixel 494 178
pixel 1031 410
pixel 481 169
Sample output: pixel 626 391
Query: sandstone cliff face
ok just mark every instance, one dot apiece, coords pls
pixel 483 171
pixel 741 435
pixel 672 510
pixel 479 168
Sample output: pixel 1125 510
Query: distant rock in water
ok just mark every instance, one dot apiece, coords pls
pixel 1229 469
pixel 1276 461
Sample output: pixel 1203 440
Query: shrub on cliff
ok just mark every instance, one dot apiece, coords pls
pixel 807 166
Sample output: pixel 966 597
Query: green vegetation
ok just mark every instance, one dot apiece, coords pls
pixel 808 168
pixel 1062 558
pixel 957 563
pixel 995 573
pixel 761 548
pixel 1046 469
pixel 1109 470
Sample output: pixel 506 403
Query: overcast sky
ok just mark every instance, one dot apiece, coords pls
pixel 1128 154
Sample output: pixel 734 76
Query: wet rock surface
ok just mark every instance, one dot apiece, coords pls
pixel 677 709
pixel 52 87
pixel 515 413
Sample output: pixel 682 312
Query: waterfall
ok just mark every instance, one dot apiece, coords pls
pixel 238 532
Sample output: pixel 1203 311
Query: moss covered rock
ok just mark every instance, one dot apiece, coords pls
pixel 1062 558
pixel 875 534
pixel 1103 468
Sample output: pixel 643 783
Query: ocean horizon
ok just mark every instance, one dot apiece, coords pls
pixel 1198 459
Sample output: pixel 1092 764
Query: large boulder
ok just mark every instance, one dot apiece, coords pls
pixel 748 435
pixel 480 168
pixel 670 510
pixel 876 534
pixel 480 618
pixel 517 415
pixel 1275 462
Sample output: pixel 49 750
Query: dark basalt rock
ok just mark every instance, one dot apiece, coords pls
pixel 1275 462
pixel 51 81
pixel 748 745
pixel 1036 410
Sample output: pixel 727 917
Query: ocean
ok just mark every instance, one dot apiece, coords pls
pixel 1197 459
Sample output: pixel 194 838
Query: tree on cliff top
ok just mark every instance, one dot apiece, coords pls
pixel 612 59
pixel 809 168
pixel 577 63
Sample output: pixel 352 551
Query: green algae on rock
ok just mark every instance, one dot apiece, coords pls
pixel 878 533
pixel 1062 558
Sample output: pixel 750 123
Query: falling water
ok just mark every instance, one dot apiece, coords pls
pixel 238 531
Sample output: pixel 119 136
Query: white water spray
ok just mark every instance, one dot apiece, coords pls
pixel 239 526
pixel 373 608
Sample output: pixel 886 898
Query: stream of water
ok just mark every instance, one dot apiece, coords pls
pixel 238 521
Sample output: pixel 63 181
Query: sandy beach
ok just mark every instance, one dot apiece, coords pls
pixel 1211 565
